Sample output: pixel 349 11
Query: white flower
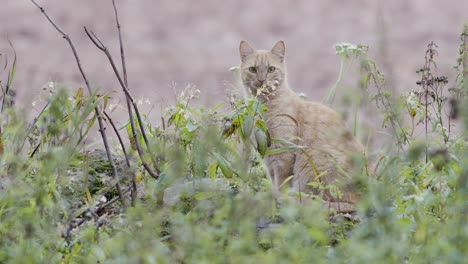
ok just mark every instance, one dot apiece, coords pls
pixel 302 95
pixel 234 69
pixel 348 49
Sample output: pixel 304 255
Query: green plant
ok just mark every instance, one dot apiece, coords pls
pixel 211 200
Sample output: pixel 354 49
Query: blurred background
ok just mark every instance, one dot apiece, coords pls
pixel 170 44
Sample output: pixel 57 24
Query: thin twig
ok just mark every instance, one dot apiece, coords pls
pixel 124 72
pixel 96 109
pixel 98 43
pixel 35 150
pixel 122 52
pixel 33 123
pixel 127 160
pixel 130 100
pixel 71 225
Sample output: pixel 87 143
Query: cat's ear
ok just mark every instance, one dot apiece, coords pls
pixel 245 50
pixel 279 49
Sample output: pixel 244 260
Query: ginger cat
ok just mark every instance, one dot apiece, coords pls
pixel 313 125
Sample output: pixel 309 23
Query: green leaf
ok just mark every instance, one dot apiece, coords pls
pixel 216 107
pixel 289 146
pixel 228 132
pixel 106 101
pixel 262 143
pixel 236 121
pixel 224 165
pixel 12 72
pixel 204 195
pixel 212 170
pixel 261 124
pixel 257 107
pixel 247 126
pixel 281 150
pixel 288 179
pixel 313 184
pixel 90 124
pixel 79 97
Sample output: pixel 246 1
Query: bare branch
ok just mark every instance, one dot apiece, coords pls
pixel 35 150
pixel 124 72
pixel 130 102
pixel 127 160
pixel 72 224
pixel 33 124
pixel 118 137
pixel 96 41
pixel 96 109
pixel 122 53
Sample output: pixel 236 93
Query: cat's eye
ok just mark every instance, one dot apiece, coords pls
pixel 271 69
pixel 253 69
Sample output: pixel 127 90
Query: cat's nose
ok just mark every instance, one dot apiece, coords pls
pixel 261 77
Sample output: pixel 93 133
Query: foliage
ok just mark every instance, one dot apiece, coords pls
pixel 53 196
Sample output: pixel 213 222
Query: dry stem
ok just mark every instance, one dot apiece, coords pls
pixel 96 109
pixel 130 101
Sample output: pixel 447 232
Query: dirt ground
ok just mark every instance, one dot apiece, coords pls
pixel 172 43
